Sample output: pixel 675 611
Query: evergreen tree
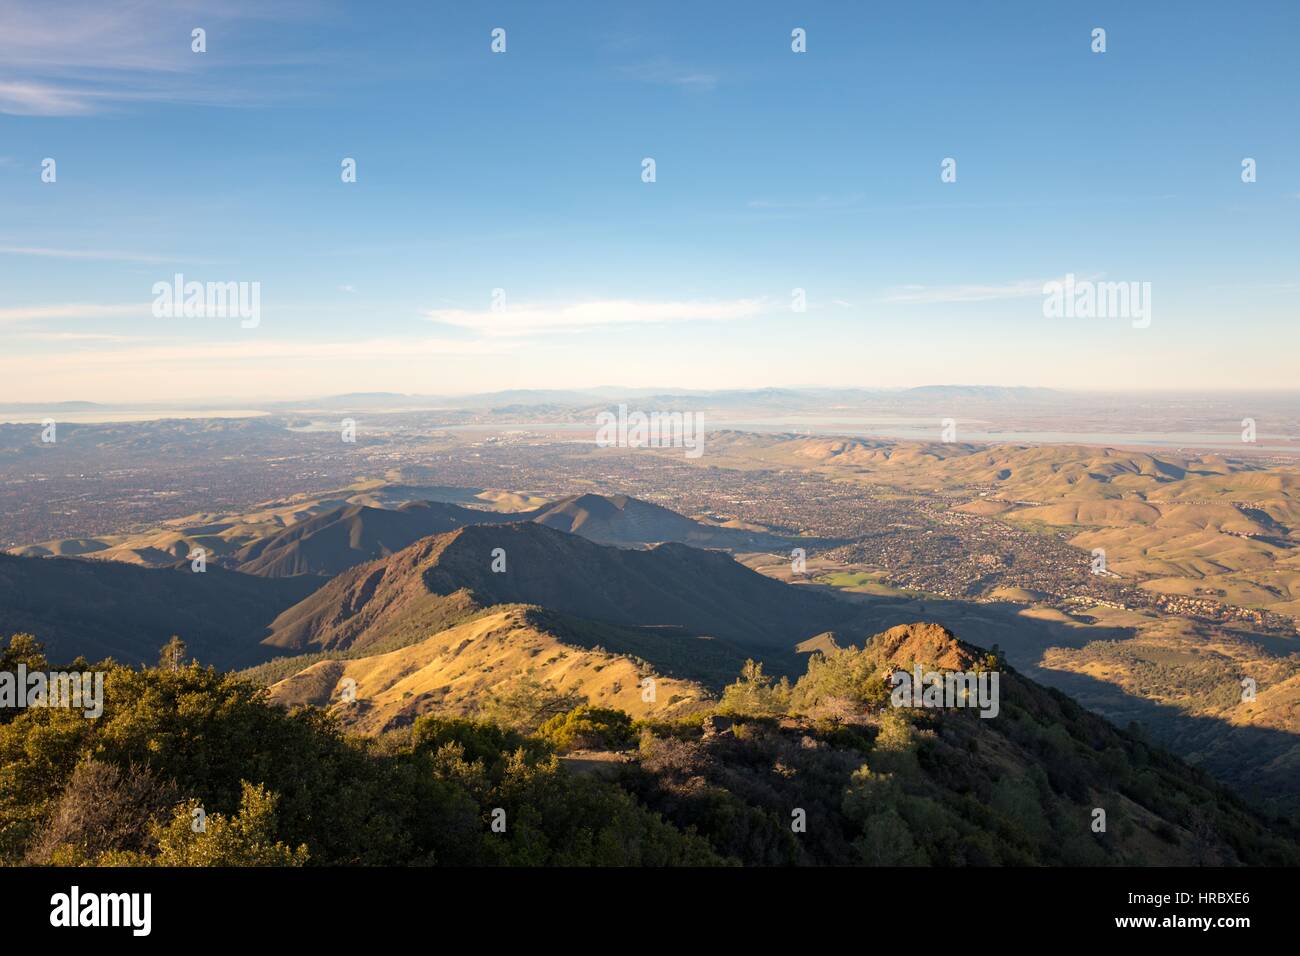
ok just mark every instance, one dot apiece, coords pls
pixel 172 654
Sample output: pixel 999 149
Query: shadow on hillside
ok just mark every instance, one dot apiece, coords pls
pixel 1272 644
pixel 1021 638
pixel 1262 764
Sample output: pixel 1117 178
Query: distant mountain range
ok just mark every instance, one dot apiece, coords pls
pixel 770 397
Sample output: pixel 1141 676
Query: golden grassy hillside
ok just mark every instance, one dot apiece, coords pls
pixel 455 670
pixel 1191 525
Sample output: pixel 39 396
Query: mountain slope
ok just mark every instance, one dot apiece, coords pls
pixel 924 786
pixel 626 521
pixel 441 579
pixel 341 539
pixel 929 785
pixel 100 608
pixel 943 785
pixel 223 533
pixel 455 670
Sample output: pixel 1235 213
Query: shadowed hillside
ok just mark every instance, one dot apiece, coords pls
pixel 438 580
pixel 107 609
pixel 345 537
pixel 936 785
pixel 341 539
pixel 625 521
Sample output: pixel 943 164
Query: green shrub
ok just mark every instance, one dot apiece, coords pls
pixel 589 728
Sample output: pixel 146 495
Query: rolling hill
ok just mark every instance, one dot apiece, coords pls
pixel 345 537
pixel 455 670
pixel 658 596
pixel 337 540
pixel 223 534
pixel 328 533
pixel 629 522
pixel 440 580
pixel 1181 523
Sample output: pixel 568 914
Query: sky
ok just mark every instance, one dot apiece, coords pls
pixel 500 232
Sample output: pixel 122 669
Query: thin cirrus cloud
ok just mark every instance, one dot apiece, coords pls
pixel 531 318
pixel 44 99
pixel 922 294
pixel 815 203
pixel 71 310
pixel 667 73
pixel 93 56
pixel 106 255
pixel 55 99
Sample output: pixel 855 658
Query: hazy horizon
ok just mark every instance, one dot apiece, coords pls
pixel 222 402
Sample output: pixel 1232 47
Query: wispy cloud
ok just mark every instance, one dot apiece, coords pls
pixel 107 255
pixel 87 56
pixel 921 294
pixel 73 310
pixel 529 318
pixel 818 202
pixel 667 73
pixel 41 99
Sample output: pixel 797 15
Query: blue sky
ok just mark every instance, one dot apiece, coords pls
pixel 522 171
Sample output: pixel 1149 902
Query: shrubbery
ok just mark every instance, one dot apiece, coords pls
pixel 873 786
pixel 755 694
pixel 588 728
